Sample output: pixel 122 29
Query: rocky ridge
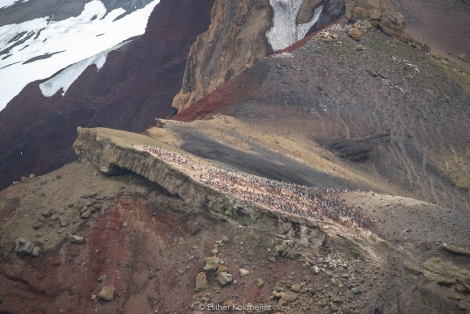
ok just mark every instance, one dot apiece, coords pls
pixel 110 150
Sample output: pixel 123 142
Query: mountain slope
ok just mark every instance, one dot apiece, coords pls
pixel 135 85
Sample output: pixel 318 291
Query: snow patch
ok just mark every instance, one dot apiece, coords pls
pixel 78 38
pixel 285 30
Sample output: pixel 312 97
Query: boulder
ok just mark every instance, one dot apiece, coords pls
pixel 107 293
pixel 201 281
pixel 393 24
pixel 223 278
pixel 211 263
pixel 295 287
pixel 243 272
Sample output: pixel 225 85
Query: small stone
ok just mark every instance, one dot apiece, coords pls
pixel 36 250
pixel 48 213
pixel 194 228
pixel 287 297
pixel 225 239
pixel 461 307
pixel 316 270
pixel 76 239
pixel 463 57
pixel 31 176
pixel 243 272
pixel 102 278
pixel 359 47
pixel 201 281
pixel 280 250
pixel 295 287
pixel 368 25
pixel 86 214
pixel 223 278
pixel 259 282
pixel 95 207
pixel 355 34
pixel 356 291
pixel 333 307
pixel 93 297
pixel 107 293
pixel 455 296
pixel 63 222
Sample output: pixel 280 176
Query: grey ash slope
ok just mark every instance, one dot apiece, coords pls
pixel 389 111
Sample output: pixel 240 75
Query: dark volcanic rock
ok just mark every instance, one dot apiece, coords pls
pixel 136 84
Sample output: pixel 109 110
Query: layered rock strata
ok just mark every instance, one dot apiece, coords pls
pixel 113 153
pixel 381 13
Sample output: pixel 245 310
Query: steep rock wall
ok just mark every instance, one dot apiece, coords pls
pixel 111 151
pixel 242 33
pixel 234 41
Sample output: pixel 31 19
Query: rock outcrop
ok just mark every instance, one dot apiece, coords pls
pixel 234 41
pixel 113 153
pixel 381 13
pixel 23 246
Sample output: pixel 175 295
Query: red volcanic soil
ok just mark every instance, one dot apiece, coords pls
pixel 224 98
pixel 136 84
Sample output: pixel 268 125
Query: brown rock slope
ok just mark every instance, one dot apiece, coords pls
pixel 135 85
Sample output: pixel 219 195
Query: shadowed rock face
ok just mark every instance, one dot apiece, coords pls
pixel 135 85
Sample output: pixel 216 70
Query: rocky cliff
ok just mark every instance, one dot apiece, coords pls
pixel 113 153
pixel 242 33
